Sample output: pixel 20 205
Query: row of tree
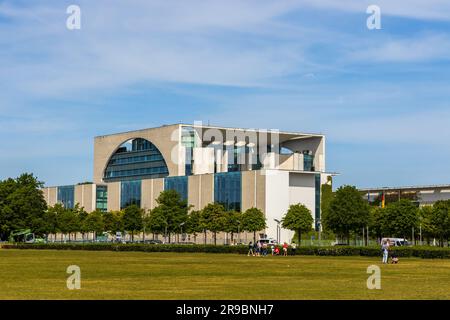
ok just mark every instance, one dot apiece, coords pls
pixel 22 206
pixel 347 213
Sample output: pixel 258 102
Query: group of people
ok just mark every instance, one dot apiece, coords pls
pixel 385 248
pixel 262 249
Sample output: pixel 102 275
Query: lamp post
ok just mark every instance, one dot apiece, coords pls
pixel 319 226
pixel 181 226
pixel 278 230
pixel 239 231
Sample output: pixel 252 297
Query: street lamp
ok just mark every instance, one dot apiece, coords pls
pixel 319 227
pixel 239 231
pixel 278 230
pixel 181 226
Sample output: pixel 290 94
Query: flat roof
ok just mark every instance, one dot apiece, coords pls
pixel 290 133
pixel 411 188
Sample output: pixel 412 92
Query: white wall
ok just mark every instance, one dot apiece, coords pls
pixel 302 189
pixel 277 202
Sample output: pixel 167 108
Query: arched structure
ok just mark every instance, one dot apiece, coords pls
pixel 137 158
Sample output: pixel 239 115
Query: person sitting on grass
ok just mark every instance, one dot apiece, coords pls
pixel 394 258
pixel 277 251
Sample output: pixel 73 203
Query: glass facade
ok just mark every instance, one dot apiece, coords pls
pixel 228 190
pixel 179 184
pixel 188 140
pixel 317 213
pixel 66 196
pixel 130 193
pixel 308 162
pixel 102 198
pixel 136 159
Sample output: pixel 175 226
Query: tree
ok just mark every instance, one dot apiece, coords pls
pixel 327 196
pixel 425 222
pixel 253 220
pixel 440 220
pixel 94 223
pixel 22 205
pixel 113 221
pixel 378 222
pixel 172 211
pixel 67 221
pixel 298 218
pixel 348 212
pixel 156 221
pixel 194 223
pixel 133 219
pixel 214 219
pixel 401 216
pixel 51 218
pixel 233 222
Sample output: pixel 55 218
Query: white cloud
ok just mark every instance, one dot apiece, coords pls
pixel 421 48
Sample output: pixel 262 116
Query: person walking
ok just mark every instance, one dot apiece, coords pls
pixel 264 248
pixel 294 248
pixel 250 249
pixel 385 250
pixel 285 249
pixel 258 250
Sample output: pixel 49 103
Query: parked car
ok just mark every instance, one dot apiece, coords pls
pixel 396 242
pixel 153 241
pixel 269 241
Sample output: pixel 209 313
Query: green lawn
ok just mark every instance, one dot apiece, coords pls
pixel 34 274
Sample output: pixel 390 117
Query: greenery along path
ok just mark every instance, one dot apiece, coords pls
pixel 41 274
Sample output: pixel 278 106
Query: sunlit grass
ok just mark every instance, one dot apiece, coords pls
pixel 34 274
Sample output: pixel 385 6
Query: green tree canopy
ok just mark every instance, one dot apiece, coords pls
pixel 133 219
pixel 347 212
pixel 298 218
pixel 22 205
pixel 253 220
pixel 401 217
pixel 214 218
pixel 170 213
pixel 194 223
pixel 113 221
pixel 440 220
pixel 94 222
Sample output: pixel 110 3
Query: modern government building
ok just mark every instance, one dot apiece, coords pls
pixel 239 168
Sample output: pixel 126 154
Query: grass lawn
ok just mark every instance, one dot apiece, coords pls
pixel 41 274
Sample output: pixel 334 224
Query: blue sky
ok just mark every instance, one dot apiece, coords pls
pixel 382 97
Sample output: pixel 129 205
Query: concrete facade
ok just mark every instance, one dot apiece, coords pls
pixel 274 183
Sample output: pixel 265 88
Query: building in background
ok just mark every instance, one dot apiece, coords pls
pixel 421 195
pixel 239 168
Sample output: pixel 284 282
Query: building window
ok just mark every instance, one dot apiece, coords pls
pixel 228 190
pixel 179 184
pixel 136 159
pixel 308 161
pixel 102 198
pixel 66 196
pixel 317 213
pixel 188 140
pixel 130 193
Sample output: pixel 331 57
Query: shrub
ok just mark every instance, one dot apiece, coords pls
pixel 419 252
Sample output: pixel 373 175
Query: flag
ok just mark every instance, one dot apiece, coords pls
pixel 383 200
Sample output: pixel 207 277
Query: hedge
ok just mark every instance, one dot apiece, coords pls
pixel 420 252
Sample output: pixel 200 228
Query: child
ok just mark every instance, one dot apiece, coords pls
pixel 394 259
pixel 277 251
